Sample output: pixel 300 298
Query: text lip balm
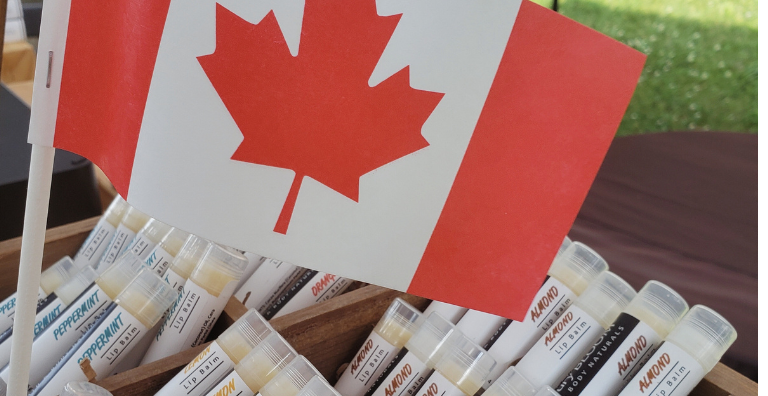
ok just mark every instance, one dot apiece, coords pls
pixel 267 283
pixel 164 252
pixel 148 237
pixel 461 370
pixel 91 250
pixel 407 371
pixel 220 357
pixel 131 222
pixel 205 294
pixel 393 330
pixel 449 311
pixel 691 350
pixel 627 344
pixel 136 310
pixel 313 287
pixel 56 339
pixel 511 383
pixel 571 271
pixel 566 341
pixel 258 367
pixel 291 379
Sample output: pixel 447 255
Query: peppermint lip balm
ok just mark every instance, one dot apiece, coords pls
pixel 203 299
pixel 511 383
pixel 393 330
pixel 94 246
pixel 461 371
pixel 632 338
pixel 406 373
pixel 573 269
pixel 291 379
pixel 166 250
pixel 257 368
pixel 571 336
pixel 131 223
pixel 112 337
pixel 312 288
pixel 220 357
pixel 690 351
pixel 448 311
pixel 267 283
pixel 148 237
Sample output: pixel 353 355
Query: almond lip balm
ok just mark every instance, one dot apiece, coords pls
pixel 291 379
pixel 571 336
pixel 393 330
pixel 92 249
pixel 691 350
pixel 627 344
pixel 572 270
pixel 267 283
pixel 148 237
pixel 197 378
pixel 312 288
pixel 131 222
pixel 462 369
pixel 511 383
pixel 136 310
pixel 448 311
pixel 159 259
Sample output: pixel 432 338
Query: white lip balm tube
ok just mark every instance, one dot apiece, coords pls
pixel 312 288
pixel 135 311
pixel 133 220
pixel 254 262
pixel 56 339
pixel 569 275
pixel 461 371
pixel 571 336
pixel 257 368
pixel 630 341
pixel 94 246
pixel 412 365
pixel 220 357
pixel 448 311
pixel 159 259
pixel 148 237
pixel 479 326
pixel 82 388
pixel 185 261
pixel 317 386
pixel 292 379
pixel 393 331
pixel 267 283
pixel 511 383
pixel 203 299
pixel 691 350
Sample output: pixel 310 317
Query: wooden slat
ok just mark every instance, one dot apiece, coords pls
pixel 723 381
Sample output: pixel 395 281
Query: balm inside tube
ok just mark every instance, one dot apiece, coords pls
pixel 449 311
pixel 58 273
pixel 391 333
pixel 92 249
pixel 462 370
pixel 690 351
pixel 71 289
pixel 511 383
pixel 148 237
pixel 291 379
pixel 164 252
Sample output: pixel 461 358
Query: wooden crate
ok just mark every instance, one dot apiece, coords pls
pixel 328 334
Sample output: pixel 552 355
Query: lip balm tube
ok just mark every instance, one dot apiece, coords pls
pixel 112 337
pixel 412 365
pixel 566 341
pixel 267 283
pixel 547 391
pixel 185 261
pixel 53 342
pixel 94 246
pixel 257 368
pixel 630 341
pixel 220 357
pixel 567 278
pixel 81 388
pixel 164 252
pixel 203 299
pixel 511 383
pixel 292 379
pixel 563 246
pixel 461 371
pixel 448 311
pixel 391 333
pixel 479 326
pixel 254 262
pixel 690 351
pixel 148 237
pixel 131 223
pixel 312 288
pixel 317 386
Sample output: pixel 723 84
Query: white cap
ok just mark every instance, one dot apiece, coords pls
pixel 658 306
pixel 464 363
pixel 82 388
pixel 134 219
pixel 398 323
pixel 577 267
pixel 115 278
pixel 292 377
pixel 155 230
pixel 57 274
pixel 219 266
pixel 703 334
pixel 318 386
pixel 147 297
pixel 449 311
pixel 190 255
pixel 426 343
pixel 173 241
pixel 511 383
pixel 244 335
pixel 606 298
pixel 260 365
pixel 71 289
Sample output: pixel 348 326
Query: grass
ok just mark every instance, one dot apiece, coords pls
pixel 701 71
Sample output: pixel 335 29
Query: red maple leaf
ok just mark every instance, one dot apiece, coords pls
pixel 315 113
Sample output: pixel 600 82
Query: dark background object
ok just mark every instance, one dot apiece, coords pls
pixel 32 14
pixel 74 193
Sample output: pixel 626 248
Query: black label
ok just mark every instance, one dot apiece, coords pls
pixel 391 366
pixel 289 294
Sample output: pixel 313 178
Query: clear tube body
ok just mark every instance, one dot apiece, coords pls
pixel 465 364
pixel 264 362
pixel 449 311
pixel 58 273
pixel 120 274
pixel 291 379
pixel 511 383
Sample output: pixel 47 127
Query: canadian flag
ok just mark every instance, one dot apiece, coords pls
pixel 439 147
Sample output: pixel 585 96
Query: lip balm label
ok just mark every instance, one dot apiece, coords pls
pixel 201 374
pixel 312 288
pixel 158 260
pixel 367 365
pixel 614 359
pixel 123 236
pixel 438 385
pixel 232 385
pixel 403 376
pixel 669 372
pixel 141 246
pixel 91 250
pixel 176 281
pixel 266 283
pixel 47 313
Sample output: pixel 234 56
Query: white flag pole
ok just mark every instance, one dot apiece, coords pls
pixel 32 244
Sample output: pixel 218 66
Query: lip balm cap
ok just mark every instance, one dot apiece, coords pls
pixel 659 306
pixel 547 391
pixel 511 383
pixel 398 323
pixel 318 386
pixel 449 311
pixel 464 363
pixel 115 278
pixel 147 297
pixel 260 365
pixel 606 298
pixel 57 274
pixel 173 241
pixel 190 255
pixel 219 266
pixel 704 334
pixel 82 388
pixel 155 230
pixel 294 376
pixel 426 343
pixel 566 242
pixel 72 288
pixel 244 335
pixel 578 266
pixel 116 210
pixel 134 219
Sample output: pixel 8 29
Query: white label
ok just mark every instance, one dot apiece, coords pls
pixel 201 374
pixel 517 338
pixel 403 376
pixel 54 341
pixel 141 246
pixel 320 288
pixel 176 281
pixel 670 372
pixel 367 365
pixel 232 385
pixel 265 283
pixel 438 385
pixel 111 339
pixel 121 239
pixel 158 260
pixel 48 314
pixel 558 350
pixel 95 245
